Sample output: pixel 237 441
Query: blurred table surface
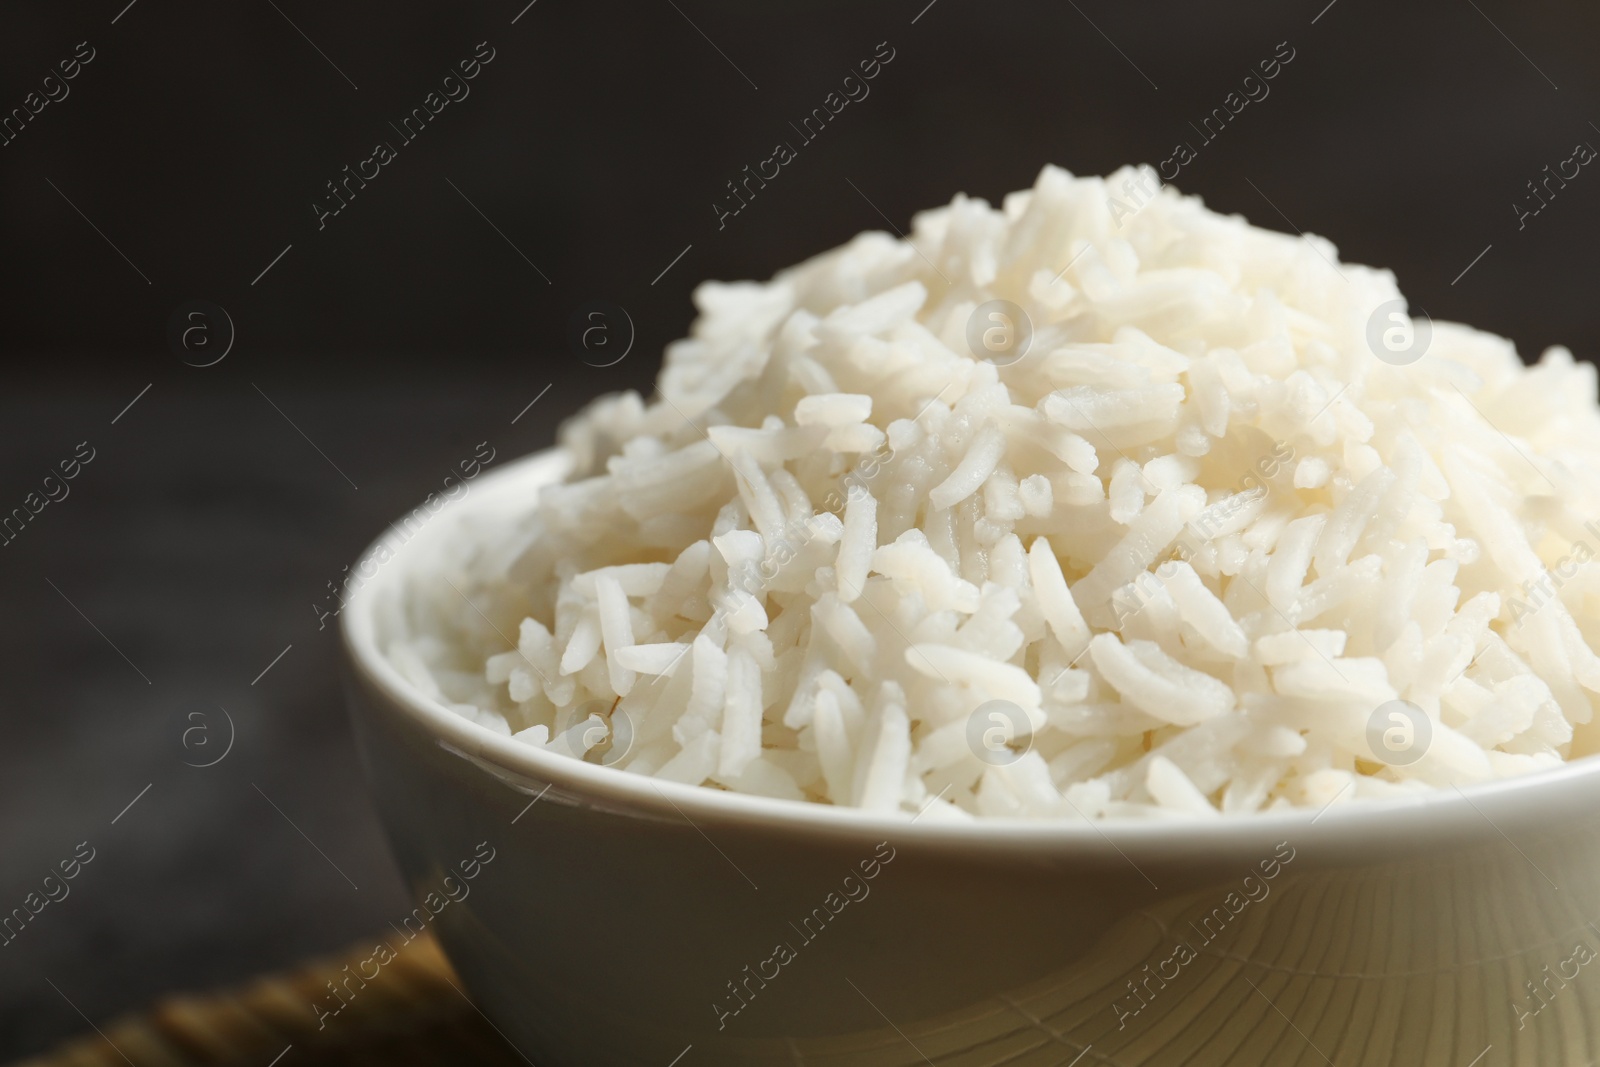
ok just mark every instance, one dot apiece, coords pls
pixel 166 602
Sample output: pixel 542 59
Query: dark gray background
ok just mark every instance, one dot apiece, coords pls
pixel 409 329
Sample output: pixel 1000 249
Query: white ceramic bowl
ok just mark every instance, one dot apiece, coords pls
pixel 623 921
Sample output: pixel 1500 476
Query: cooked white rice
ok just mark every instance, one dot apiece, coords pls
pixel 1196 538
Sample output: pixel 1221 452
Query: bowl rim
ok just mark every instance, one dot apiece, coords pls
pixel 511 486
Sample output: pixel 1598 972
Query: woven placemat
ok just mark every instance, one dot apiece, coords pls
pixel 414 1012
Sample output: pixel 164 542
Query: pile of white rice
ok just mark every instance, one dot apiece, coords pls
pixel 1194 538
